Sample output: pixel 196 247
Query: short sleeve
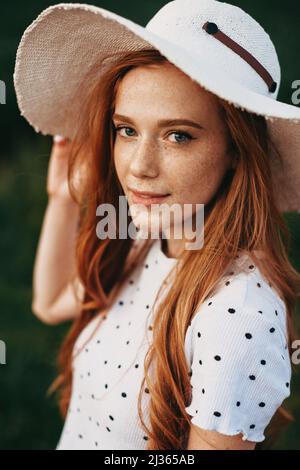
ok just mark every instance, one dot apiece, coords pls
pixel 240 364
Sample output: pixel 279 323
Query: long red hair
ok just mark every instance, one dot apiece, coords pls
pixel 247 217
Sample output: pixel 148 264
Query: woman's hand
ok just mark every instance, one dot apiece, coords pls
pixel 57 178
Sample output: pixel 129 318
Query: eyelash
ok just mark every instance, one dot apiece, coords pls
pixel 186 134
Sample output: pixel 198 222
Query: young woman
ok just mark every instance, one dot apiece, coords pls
pixel 169 348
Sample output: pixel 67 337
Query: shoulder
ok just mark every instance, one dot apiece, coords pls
pixel 244 298
pixel 238 357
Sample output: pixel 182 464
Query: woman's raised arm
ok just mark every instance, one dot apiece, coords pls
pixel 57 291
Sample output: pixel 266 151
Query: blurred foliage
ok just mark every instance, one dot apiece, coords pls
pixel 30 420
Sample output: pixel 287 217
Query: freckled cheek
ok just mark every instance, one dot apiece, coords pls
pixel 194 183
pixel 121 160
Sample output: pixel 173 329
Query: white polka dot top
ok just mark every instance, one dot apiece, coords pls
pixel 235 347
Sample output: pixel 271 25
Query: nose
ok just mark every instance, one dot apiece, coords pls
pixel 145 159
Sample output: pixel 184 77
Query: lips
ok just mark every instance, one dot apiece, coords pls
pixel 147 194
pixel 147 198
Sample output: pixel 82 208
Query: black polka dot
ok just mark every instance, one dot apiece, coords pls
pixel 147 306
pixel 259 311
pixel 105 385
pixel 146 266
pixel 263 362
pixel 108 429
pixel 227 283
pixel 238 403
pixel 252 426
pixel 127 342
pixel 136 366
pixel 217 358
pixel 119 366
pixel 209 303
pixel 276 313
pixel 121 302
pixel 199 334
pixel 258 284
pixel 248 335
pixel 111 417
pixel 252 377
pixel 261 404
pixel 203 390
pixel 217 413
pixel 146 438
pixel 251 266
pixel 231 310
pixel 80 436
pixel 272 330
pixel 200 362
pixel 287 384
pixel 147 390
pixel 124 395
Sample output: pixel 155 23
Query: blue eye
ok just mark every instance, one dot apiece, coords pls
pixel 187 136
pixel 118 129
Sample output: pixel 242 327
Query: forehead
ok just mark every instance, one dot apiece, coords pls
pixel 165 91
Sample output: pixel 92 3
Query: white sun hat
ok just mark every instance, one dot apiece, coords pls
pixel 217 44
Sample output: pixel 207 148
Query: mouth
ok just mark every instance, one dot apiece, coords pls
pixel 147 198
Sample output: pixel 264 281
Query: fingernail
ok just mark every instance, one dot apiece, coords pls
pixel 59 139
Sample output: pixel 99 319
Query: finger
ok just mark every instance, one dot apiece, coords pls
pixel 59 139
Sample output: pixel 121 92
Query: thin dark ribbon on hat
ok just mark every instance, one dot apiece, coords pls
pixel 212 28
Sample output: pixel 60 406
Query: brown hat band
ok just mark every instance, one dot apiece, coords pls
pixel 212 28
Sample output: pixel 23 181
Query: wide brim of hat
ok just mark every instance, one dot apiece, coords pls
pixel 66 40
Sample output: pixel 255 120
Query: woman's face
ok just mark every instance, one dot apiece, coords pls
pixel 185 160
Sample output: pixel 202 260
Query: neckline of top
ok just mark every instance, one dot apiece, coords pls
pixel 157 249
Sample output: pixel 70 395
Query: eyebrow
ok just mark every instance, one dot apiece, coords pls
pixel 162 122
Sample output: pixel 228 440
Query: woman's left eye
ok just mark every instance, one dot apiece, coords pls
pixel 187 136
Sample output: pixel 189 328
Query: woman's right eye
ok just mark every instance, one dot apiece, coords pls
pixel 119 128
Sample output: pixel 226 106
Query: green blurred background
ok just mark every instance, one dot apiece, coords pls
pixel 28 419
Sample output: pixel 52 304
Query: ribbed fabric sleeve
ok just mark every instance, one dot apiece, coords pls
pixel 241 370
